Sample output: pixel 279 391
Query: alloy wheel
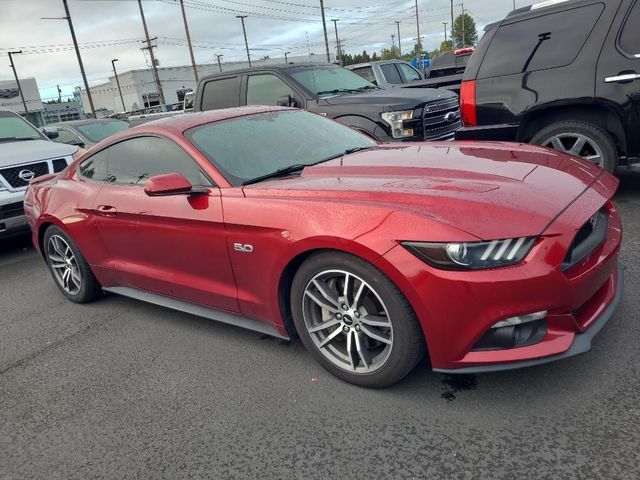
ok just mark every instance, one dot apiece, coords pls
pixel 64 265
pixel 347 321
pixel 576 144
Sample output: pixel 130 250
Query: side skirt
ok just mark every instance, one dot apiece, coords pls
pixel 193 309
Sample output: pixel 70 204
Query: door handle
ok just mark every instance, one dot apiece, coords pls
pixel 622 77
pixel 107 210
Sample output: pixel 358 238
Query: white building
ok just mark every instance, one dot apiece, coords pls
pixel 139 88
pixel 10 99
pixel 63 111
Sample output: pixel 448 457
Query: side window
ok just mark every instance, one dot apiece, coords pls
pixel 390 72
pixel 95 167
pixel 630 35
pixel 547 41
pixel 266 90
pixel 134 160
pixel 223 93
pixel 410 74
pixel 65 136
pixel 366 73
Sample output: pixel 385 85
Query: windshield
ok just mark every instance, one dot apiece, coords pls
pixel 249 147
pixel 13 128
pixel 98 131
pixel 331 80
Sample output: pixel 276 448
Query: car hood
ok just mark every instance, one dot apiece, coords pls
pixel 488 190
pixel 394 99
pixel 28 151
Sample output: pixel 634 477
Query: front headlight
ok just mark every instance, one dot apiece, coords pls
pixel 395 119
pixel 472 255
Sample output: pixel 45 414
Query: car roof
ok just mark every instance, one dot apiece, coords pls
pixel 279 66
pixel 376 62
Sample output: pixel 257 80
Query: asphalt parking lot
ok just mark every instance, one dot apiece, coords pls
pixel 122 389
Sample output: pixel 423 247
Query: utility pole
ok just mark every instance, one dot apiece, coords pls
pixel 399 44
pixel 324 26
pixel 514 4
pixel 451 24
pixel 186 29
pixel 463 39
pixel 113 64
pixel 75 44
pixel 59 94
pixel 286 59
pixel 219 63
pixel 418 24
pixel 339 50
pixel 244 30
pixel 154 67
pixel 445 31
pixel 13 67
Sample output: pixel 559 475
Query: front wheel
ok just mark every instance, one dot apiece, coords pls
pixel 582 139
pixel 354 320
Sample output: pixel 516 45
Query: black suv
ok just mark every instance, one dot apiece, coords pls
pixel 335 92
pixel 563 74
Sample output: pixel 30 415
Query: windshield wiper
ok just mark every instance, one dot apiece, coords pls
pixel 16 139
pixel 367 87
pixel 337 90
pixel 281 172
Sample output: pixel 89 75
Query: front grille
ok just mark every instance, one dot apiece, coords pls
pixel 437 121
pixel 588 238
pixel 11 210
pixel 12 174
pixel 59 165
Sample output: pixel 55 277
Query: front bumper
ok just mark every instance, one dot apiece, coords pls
pixel 12 218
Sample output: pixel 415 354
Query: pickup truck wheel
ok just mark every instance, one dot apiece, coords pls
pixel 582 139
pixel 68 267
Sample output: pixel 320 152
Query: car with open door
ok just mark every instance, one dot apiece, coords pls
pixel 486 256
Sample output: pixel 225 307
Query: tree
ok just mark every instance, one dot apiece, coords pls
pixel 464 31
pixel 446 46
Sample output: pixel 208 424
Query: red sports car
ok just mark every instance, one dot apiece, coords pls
pixel 488 256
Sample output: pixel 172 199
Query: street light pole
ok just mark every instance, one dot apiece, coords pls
pixel 186 29
pixel 75 44
pixel 13 67
pixel 244 31
pixel 219 64
pixel 445 31
pixel 113 64
pixel 154 67
pixel 399 44
pixel 339 50
pixel 324 27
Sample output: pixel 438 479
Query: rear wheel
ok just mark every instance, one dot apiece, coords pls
pixel 68 267
pixel 355 321
pixel 582 139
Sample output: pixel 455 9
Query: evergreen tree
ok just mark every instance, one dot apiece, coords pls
pixel 464 31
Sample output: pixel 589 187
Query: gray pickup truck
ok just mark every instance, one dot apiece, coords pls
pixel 25 153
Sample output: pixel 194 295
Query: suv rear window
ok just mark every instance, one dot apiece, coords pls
pixel 630 35
pixel 223 93
pixel 546 41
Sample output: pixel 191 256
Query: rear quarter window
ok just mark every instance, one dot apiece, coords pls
pixel 546 41
pixel 222 93
pixel 629 40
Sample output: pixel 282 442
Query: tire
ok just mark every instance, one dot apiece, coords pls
pixel 70 271
pixel 599 147
pixel 340 338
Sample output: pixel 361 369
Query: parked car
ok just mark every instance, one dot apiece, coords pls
pixel 492 256
pixel 86 133
pixel 561 74
pixel 388 73
pixel 447 68
pixel 335 92
pixel 25 153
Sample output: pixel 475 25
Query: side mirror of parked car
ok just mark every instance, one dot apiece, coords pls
pixel 287 101
pixel 51 133
pixel 171 184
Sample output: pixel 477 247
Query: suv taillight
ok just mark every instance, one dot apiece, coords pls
pixel 468 103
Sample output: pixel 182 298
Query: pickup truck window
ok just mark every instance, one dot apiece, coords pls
pixel 251 146
pixel 409 72
pixel 330 80
pixel 222 93
pixel 266 90
pixel 391 73
pixel 366 73
pixel 630 35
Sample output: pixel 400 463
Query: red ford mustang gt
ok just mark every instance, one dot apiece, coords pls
pixel 487 256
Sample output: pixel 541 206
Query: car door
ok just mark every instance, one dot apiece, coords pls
pixel 269 89
pixel 173 245
pixel 618 75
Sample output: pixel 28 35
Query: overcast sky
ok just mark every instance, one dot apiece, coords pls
pixel 109 29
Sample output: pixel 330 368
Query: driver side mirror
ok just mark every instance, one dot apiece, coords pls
pixel 287 101
pixel 50 132
pixel 171 184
